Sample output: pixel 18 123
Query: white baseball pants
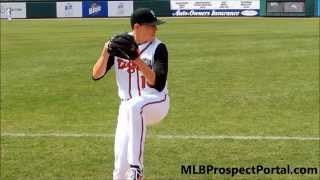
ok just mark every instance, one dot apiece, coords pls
pixel 134 115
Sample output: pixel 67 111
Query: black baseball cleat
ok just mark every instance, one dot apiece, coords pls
pixel 135 174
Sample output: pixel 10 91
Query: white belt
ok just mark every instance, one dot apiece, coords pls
pixel 127 99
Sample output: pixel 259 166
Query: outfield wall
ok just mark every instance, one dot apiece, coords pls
pixel 123 8
pixel 302 8
pixel 215 8
pixel 317 8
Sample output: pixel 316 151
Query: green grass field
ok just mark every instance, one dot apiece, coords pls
pixel 227 76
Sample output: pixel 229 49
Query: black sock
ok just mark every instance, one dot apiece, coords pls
pixel 134 166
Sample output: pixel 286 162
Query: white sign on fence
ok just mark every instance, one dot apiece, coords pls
pixel 69 9
pixel 17 10
pixel 120 8
pixel 214 4
pixel 215 7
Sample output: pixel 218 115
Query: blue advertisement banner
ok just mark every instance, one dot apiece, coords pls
pixel 216 12
pixel 94 9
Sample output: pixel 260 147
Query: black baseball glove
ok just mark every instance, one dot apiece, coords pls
pixel 124 46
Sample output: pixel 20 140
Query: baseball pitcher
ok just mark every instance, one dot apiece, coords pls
pixel 140 62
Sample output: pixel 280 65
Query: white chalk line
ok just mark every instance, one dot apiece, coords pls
pixel 204 137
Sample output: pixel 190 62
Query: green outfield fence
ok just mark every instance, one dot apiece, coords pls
pixel 50 8
pixel 46 9
pixel 161 7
